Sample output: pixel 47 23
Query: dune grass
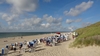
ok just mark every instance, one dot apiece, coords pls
pixel 89 35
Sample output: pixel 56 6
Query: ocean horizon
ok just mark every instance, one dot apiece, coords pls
pixel 16 34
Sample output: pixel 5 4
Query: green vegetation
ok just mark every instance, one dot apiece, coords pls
pixel 89 35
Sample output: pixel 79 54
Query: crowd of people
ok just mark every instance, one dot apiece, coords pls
pixel 31 45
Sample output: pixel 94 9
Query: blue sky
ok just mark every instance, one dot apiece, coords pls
pixel 47 15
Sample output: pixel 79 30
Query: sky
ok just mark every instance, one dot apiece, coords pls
pixel 47 15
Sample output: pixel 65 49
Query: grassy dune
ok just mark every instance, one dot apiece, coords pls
pixel 89 35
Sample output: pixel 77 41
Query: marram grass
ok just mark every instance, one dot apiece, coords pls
pixel 89 35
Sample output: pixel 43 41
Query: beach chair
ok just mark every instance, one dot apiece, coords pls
pixel 4 51
pixel 24 48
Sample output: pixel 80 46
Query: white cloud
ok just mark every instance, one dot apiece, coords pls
pixel 32 22
pixel 46 0
pixel 69 21
pixel 21 6
pixel 47 22
pixel 51 19
pixel 46 25
pixel 71 28
pixel 79 8
pixel 18 7
pixel 36 24
pixel 54 22
pixel 45 16
pixel 9 18
pixel 29 23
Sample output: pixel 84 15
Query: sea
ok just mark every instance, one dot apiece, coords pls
pixel 16 34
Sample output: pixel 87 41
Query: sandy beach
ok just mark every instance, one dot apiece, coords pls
pixel 62 49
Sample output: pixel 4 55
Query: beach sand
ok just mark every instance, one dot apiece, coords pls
pixel 62 49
